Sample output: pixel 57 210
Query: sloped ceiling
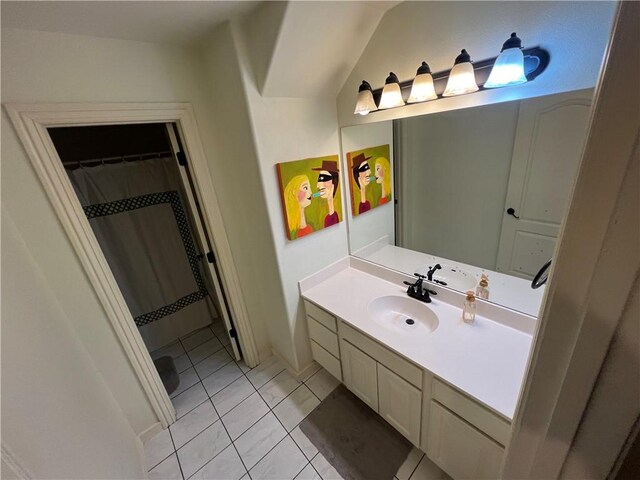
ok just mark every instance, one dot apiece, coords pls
pixel 308 49
pixel 186 23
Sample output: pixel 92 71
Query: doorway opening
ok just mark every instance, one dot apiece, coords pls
pixel 137 192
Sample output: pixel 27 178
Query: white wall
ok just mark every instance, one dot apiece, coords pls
pixel 51 67
pixel 575 34
pixel 379 222
pixel 59 418
pixel 286 129
pixel 455 176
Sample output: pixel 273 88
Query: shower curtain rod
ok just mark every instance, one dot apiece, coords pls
pixel 121 158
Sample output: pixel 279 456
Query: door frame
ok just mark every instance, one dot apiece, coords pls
pixel 596 261
pixel 31 122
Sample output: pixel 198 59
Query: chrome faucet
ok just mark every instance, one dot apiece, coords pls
pixel 416 290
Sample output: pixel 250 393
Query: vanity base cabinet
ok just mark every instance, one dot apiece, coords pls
pixel 360 374
pixel 459 448
pixel 400 404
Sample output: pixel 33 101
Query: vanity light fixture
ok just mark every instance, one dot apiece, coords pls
pixel 391 94
pixel 513 66
pixel 365 102
pixel 422 88
pixel 509 66
pixel 462 78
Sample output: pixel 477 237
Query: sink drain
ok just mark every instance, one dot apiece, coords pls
pixel 410 321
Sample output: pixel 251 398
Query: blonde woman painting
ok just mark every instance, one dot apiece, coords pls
pixel 383 177
pixel 297 197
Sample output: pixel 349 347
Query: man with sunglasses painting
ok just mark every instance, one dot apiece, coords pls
pixel 362 176
pixel 327 187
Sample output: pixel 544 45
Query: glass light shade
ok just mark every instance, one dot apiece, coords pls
pixel 422 89
pixel 461 80
pixel 391 93
pixel 365 103
pixel 508 69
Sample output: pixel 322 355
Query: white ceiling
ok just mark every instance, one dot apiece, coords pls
pixel 171 22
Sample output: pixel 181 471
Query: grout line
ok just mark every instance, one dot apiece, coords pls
pixel 416 467
pixel 231 440
pixel 175 452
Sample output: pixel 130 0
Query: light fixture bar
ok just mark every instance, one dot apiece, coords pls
pixel 536 60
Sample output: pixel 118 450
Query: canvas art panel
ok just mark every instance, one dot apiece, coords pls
pixel 370 178
pixel 310 194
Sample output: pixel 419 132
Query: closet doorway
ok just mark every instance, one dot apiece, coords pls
pixel 135 188
pixel 33 124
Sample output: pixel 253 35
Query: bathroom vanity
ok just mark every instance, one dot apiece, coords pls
pixel 450 388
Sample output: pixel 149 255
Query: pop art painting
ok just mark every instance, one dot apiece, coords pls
pixel 310 194
pixel 370 178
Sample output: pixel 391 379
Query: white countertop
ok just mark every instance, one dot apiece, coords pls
pixel 486 360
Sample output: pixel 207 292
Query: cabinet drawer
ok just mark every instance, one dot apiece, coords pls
pixel 321 316
pixel 323 337
pixel 400 404
pixel 490 423
pixel 330 363
pixel 360 374
pixel 459 449
pixel 383 355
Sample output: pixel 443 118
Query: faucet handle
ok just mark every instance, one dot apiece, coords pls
pixel 419 275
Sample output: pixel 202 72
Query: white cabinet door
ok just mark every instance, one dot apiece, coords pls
pixel 399 403
pixel 359 372
pixel 459 449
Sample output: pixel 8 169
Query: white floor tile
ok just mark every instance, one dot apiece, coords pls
pixel 245 415
pixel 195 339
pixel 188 378
pixel 308 473
pixel 218 327
pixel 174 350
pixel 168 469
pixel 427 470
pixel 410 464
pixel 325 469
pixel 264 372
pixel 225 466
pixel 322 384
pixel 189 399
pixel 243 366
pixel 202 351
pixel 212 363
pixel 284 462
pixel 157 448
pixel 232 395
pixel 196 453
pixel 193 423
pixel 292 410
pixel 256 442
pixel 303 442
pixel 312 372
pixel 182 363
pixel 276 389
pixel 220 379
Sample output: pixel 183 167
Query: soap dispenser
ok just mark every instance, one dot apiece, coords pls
pixel 469 308
pixel 482 291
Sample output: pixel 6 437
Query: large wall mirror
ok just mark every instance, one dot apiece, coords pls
pixel 480 190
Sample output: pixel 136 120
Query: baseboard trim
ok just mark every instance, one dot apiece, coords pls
pixel 150 432
pixel 299 375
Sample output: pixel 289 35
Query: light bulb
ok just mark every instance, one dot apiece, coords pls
pixel 462 78
pixel 422 88
pixel 509 66
pixel 391 94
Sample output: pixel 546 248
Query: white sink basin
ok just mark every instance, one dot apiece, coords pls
pixel 403 314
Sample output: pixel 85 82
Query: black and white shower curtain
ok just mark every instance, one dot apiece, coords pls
pixel 137 213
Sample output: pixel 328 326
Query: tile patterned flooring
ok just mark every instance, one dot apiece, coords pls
pixel 240 423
